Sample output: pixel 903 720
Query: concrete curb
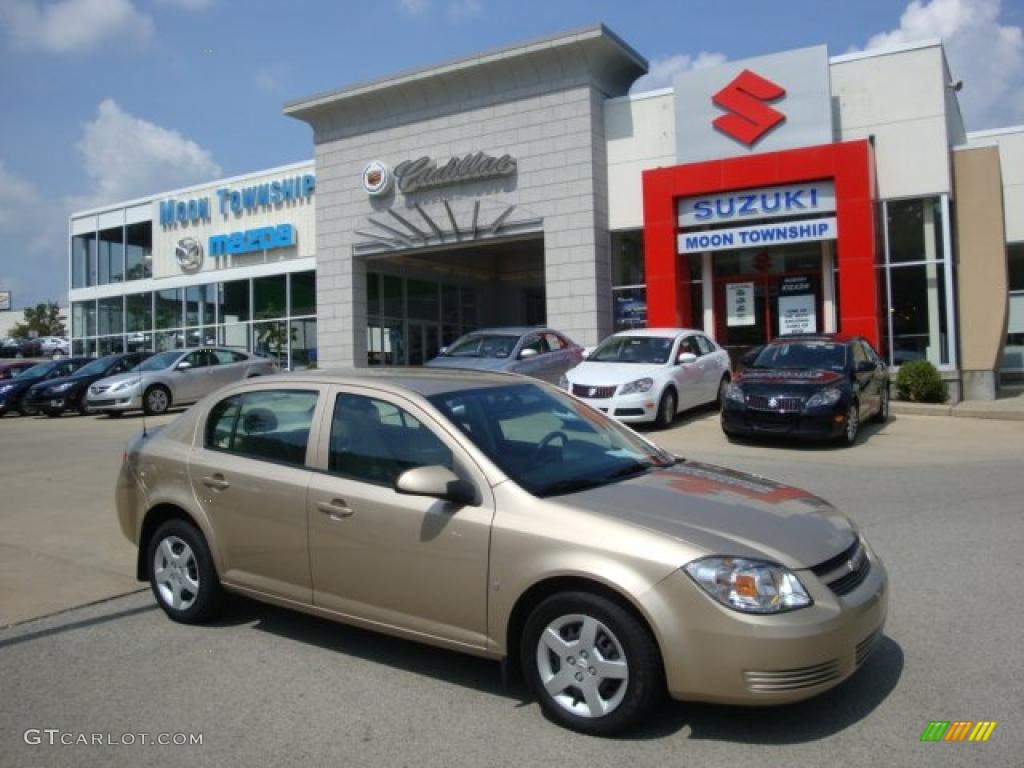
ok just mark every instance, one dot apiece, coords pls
pixel 967 410
pixel 902 408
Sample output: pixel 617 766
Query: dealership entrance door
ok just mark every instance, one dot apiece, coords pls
pixel 763 293
pixel 420 301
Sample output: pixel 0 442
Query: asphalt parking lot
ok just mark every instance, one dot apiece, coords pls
pixel 941 500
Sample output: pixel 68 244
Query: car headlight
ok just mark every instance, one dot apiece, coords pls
pixel 734 392
pixel 827 396
pixel 751 586
pixel 640 385
pixel 124 385
pixel 6 388
pixel 62 387
pixel 563 382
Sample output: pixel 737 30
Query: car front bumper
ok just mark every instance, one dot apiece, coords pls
pixel 823 423
pixel 636 407
pixel 717 654
pixel 118 401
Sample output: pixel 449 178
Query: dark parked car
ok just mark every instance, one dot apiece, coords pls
pixel 808 386
pixel 67 393
pixel 10 370
pixel 13 391
pixel 21 348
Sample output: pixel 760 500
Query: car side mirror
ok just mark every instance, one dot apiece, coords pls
pixel 443 351
pixel 685 358
pixel 586 352
pixel 184 365
pixel 438 482
pixel 526 354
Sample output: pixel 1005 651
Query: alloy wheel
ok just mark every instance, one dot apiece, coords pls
pixel 852 423
pixel 157 400
pixel 176 573
pixel 582 666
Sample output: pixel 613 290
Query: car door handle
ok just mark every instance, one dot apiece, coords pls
pixel 217 482
pixel 335 509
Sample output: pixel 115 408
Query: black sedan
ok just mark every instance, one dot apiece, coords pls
pixel 820 387
pixel 67 393
pixel 13 391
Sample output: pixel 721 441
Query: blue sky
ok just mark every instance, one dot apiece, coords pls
pixel 110 99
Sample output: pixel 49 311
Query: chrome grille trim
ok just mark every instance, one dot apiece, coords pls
pixel 599 393
pixel 783 404
pixel 847 570
pixel 792 679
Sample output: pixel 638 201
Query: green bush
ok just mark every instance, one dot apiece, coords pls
pixel 919 382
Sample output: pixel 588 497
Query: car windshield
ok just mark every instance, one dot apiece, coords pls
pixel 39 370
pixel 96 367
pixel 159 362
pixel 546 441
pixel 483 345
pixel 633 349
pixel 819 355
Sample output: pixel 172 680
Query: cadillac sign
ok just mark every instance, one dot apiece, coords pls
pixel 424 172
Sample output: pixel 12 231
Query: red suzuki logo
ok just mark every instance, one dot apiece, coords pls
pixel 744 98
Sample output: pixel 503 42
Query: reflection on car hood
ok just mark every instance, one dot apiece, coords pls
pixel 473 363
pixel 127 376
pixel 727 512
pixel 813 376
pixel 607 374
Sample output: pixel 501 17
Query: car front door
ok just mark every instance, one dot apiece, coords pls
pixel 248 471
pixel 191 383
pixel 535 365
pixel 414 563
pixel 688 376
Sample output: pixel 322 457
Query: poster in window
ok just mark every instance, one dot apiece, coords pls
pixel 797 314
pixel 739 302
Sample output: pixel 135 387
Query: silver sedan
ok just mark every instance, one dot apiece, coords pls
pixel 177 377
pixel 538 352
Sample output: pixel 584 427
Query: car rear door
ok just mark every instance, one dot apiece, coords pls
pixel 689 377
pixel 248 470
pixel 414 563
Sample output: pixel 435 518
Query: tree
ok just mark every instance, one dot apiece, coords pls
pixel 44 319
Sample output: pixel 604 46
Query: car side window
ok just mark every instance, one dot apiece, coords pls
pixel 555 342
pixel 375 441
pixel 197 359
pixel 706 347
pixel 535 343
pixel 689 344
pixel 270 424
pixel 226 356
pixel 859 356
pixel 870 352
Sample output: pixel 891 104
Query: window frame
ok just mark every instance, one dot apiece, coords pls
pixel 312 438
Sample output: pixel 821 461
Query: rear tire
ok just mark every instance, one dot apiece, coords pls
pixel 852 428
pixel 723 385
pixel 666 409
pixel 181 573
pixel 592 664
pixel 883 407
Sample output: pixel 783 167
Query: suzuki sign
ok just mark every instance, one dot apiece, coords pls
pixel 769 103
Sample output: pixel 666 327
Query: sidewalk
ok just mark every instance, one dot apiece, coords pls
pixel 1008 406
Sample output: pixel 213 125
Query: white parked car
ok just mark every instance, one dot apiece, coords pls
pixel 54 346
pixel 650 375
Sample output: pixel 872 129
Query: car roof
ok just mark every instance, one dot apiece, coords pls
pixel 518 330
pixel 836 338
pixel 658 332
pixel 422 381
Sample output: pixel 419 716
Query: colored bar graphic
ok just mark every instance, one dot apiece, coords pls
pixel 958 730
pixel 982 730
pixel 935 731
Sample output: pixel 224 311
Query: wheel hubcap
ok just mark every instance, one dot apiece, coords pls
pixel 176 573
pixel 851 423
pixel 582 666
pixel 670 406
pixel 157 400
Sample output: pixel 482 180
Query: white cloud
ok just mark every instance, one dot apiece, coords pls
pixel 74 25
pixel 663 71
pixel 125 156
pixel 986 55
pixel 35 252
pixel 413 7
pixel 463 9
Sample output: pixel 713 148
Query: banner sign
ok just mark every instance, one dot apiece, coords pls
pixel 802 231
pixel 739 301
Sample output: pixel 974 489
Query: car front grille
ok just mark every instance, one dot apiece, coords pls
pixel 783 680
pixel 100 403
pixel 847 570
pixel 593 393
pixel 777 403
pixel 629 411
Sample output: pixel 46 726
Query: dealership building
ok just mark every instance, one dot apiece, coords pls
pixel 788 193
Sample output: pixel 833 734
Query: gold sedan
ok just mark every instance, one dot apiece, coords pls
pixel 499 516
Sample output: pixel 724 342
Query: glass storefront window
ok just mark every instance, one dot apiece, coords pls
pixel 914 230
pixel 449 304
pixel 918 314
pixel 168 308
pixel 271 340
pixel 372 294
pixel 83 347
pixel 269 297
pixel 303 293
pixel 110 256
pixel 139 312
pixel 109 345
pixel 1015 265
pixel 138 342
pixel 169 340
pixel 110 316
pixel 385 342
pixel 83 260
pixel 391 302
pixel 199 304
pixel 422 300
pixel 627 257
pixel 83 318
pixel 234 335
pixel 470 319
pixel 1013 355
pixel 138 251
pixel 234 301
pixel 303 343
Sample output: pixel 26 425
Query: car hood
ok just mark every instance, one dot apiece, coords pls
pixel 73 378
pixel 607 374
pixel 472 363
pixel 127 376
pixel 726 512
pixel 22 381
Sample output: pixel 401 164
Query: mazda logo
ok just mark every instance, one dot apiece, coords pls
pixel 189 253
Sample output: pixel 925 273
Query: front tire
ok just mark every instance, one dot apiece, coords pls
pixel 852 428
pixel 666 409
pixel 593 666
pixel 156 400
pixel 181 573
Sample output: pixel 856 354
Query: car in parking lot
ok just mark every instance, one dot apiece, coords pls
pixel 21 348
pixel 68 393
pixel 175 377
pixel 499 516
pixel 12 369
pixel 13 391
pixel 53 346
pixel 539 352
pixel 650 375
pixel 818 387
